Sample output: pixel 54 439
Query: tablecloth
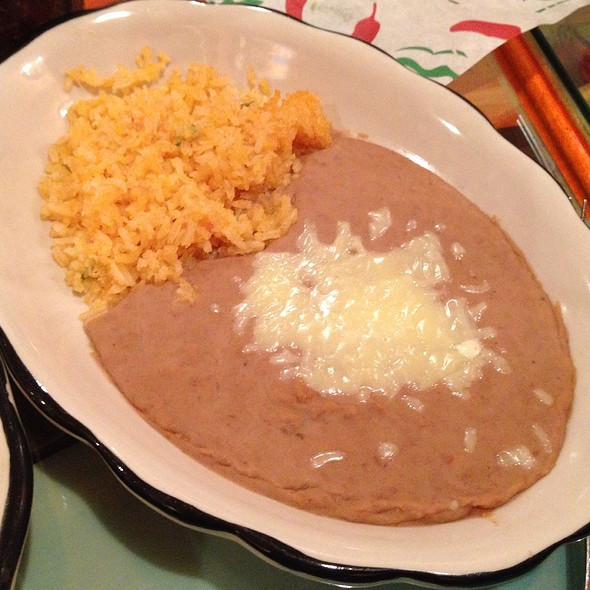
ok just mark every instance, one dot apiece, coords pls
pixel 439 39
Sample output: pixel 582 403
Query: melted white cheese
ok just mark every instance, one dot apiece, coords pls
pixel 413 403
pixel 517 457
pixel 543 396
pixel 543 437
pixel 379 222
pixel 469 439
pixel 361 321
pixel 457 250
pixel 321 459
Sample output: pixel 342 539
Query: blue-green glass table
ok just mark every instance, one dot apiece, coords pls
pixel 87 532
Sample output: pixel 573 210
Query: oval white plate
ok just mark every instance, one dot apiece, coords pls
pixel 364 91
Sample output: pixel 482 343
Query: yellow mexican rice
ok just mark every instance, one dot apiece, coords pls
pixel 149 175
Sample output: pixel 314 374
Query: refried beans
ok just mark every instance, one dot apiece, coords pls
pixel 417 456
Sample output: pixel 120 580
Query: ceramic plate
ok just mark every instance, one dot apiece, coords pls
pixel 364 91
pixel 16 486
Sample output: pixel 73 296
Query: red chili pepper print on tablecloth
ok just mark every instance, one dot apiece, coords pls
pixel 487 28
pixel 367 28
